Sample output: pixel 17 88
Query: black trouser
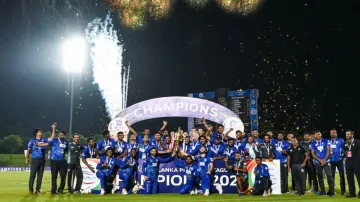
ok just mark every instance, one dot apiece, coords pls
pixel 330 180
pixel 261 186
pixel 340 166
pixel 292 181
pixel 77 171
pixel 298 173
pixel 37 168
pixel 284 178
pixel 311 172
pixel 58 167
pixel 352 167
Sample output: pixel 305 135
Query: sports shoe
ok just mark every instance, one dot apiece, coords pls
pixel 38 192
pixel 136 189
pixel 265 194
pixel 195 191
pixel 102 192
pixel 206 192
pixel 31 192
pixel 192 192
pixel 219 188
pixel 124 192
pixel 241 194
pixel 309 191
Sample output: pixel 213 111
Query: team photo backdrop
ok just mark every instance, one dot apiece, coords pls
pixel 172 178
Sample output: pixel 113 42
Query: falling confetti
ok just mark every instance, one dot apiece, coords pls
pixel 159 8
pixel 197 3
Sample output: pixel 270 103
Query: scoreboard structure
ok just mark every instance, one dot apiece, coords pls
pixel 244 103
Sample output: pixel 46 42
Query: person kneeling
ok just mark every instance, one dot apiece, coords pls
pixel 262 183
pixel 127 172
pixel 105 168
pixel 239 168
pixel 191 172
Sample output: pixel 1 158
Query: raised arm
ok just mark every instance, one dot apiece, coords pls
pixel 164 126
pixel 205 124
pixel 53 134
pixel 130 128
pixel 166 159
pixel 227 133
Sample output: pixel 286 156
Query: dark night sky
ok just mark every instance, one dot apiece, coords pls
pixel 302 55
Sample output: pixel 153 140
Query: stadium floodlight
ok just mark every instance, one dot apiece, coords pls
pixel 74 55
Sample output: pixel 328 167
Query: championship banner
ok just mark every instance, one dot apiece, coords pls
pixel 176 107
pixel 171 178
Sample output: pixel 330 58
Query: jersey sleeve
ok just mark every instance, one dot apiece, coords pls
pixel 99 165
pixel 51 143
pixel 31 144
pixel 84 152
pixel 266 171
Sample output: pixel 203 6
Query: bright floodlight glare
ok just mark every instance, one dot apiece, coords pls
pixel 74 55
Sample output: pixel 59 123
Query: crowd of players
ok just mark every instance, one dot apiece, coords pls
pixel 195 153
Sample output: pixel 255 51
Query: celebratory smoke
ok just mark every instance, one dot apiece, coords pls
pixel 109 73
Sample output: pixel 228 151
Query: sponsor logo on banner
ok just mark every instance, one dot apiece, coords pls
pixel 18 169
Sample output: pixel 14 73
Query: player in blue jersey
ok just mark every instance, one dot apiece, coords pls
pixel 257 139
pixel 218 148
pixel 127 171
pixel 336 158
pixel 262 183
pixel 132 144
pixel 191 172
pixel 105 168
pixel 144 148
pixel 37 159
pixel 186 146
pixel 206 168
pixel 105 143
pixel 159 145
pixel 203 142
pixel 89 152
pixel 58 164
pixel 240 141
pixel 321 151
pixel 139 139
pixel 239 168
pixel 150 170
pixel 120 146
pixel 281 147
pixel 231 150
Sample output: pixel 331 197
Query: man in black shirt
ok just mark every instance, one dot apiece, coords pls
pixel 74 166
pixel 297 157
pixel 352 154
pixel 310 168
pixel 267 149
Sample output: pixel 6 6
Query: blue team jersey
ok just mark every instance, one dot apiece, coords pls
pixel 280 146
pixel 139 139
pixel 336 147
pixel 191 171
pixel 150 165
pixel 217 150
pixel 230 152
pixel 120 147
pixel 157 145
pixel 132 146
pixel 203 164
pixel 58 149
pixel 104 144
pixel 320 149
pixel 259 141
pixel 263 171
pixel 111 163
pixel 215 135
pixel 37 152
pixel 127 168
pixel 88 152
pixel 188 149
pixel 144 150
pixel 208 148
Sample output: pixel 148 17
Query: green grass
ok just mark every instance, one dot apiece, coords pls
pixel 17 160
pixel 14 187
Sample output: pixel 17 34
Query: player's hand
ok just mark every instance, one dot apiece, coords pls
pixel 26 161
pixel 53 126
pixel 129 162
pixel 303 165
pixel 289 170
pixel 226 159
pixel 256 172
pixel 231 129
pixel 126 123
pixel 104 164
pixel 203 119
pixel 270 159
pixel 209 173
pixel 165 122
pixel 92 169
pixel 146 178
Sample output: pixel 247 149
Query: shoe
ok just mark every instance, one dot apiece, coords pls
pixel 219 188
pixel 333 195
pixel 136 189
pixel 31 192
pixel 77 192
pixel 38 192
pixel 124 192
pixel 350 196
pixel 195 191
pixel 309 191
pixel 60 191
pixel 206 192
pixel 102 192
pixel 269 192
pixel 53 192
pixel 241 194
pixel 192 192
pixel 317 193
pixel 265 194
